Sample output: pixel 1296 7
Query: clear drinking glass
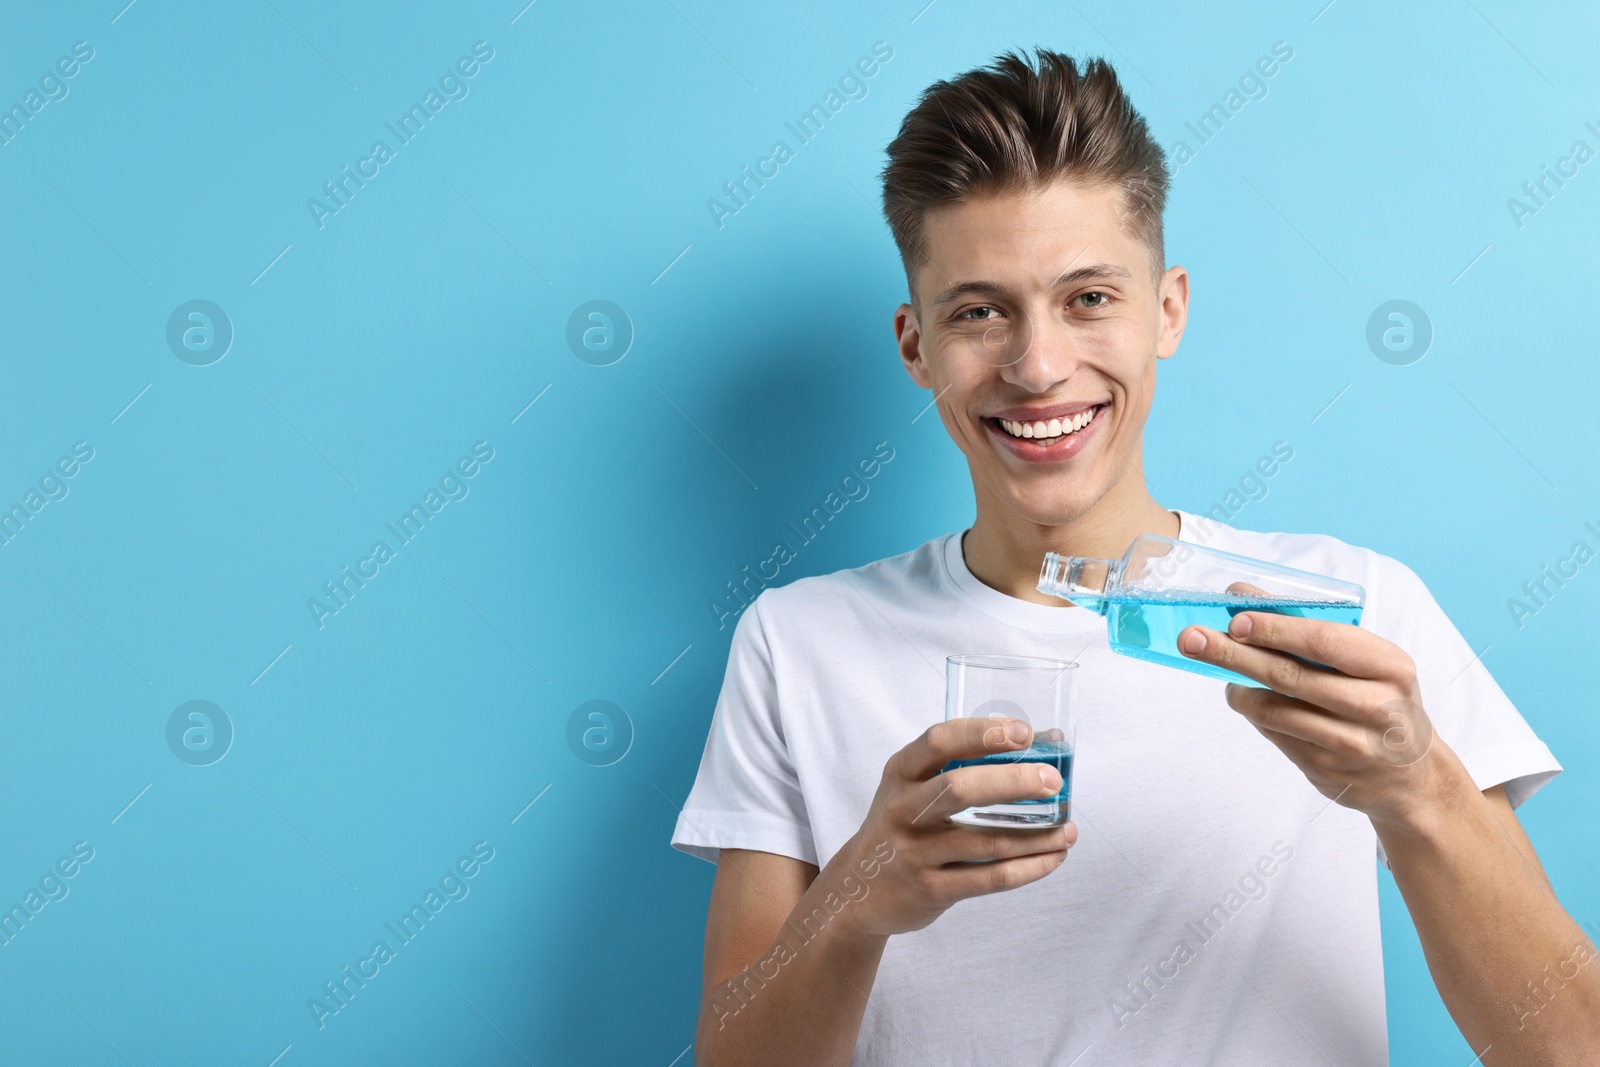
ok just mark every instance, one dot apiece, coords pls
pixel 1037 691
pixel 1160 586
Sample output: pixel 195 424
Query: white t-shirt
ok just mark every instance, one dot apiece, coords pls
pixel 1216 909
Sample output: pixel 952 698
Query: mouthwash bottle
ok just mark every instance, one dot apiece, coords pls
pixel 1161 586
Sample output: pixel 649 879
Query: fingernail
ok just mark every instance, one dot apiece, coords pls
pixel 1017 731
pixel 1045 775
pixel 1194 643
pixel 1241 626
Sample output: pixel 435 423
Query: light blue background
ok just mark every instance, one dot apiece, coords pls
pixel 428 313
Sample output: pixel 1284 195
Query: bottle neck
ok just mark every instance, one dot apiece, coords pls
pixel 1078 577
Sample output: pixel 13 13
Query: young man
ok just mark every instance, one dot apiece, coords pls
pixel 1221 906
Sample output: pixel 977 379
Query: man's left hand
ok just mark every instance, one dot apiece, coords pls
pixel 1355 727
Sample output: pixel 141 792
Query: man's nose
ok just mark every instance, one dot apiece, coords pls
pixel 1043 356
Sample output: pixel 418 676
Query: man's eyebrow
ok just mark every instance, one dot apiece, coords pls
pixel 1094 270
pixel 961 289
pixel 1087 272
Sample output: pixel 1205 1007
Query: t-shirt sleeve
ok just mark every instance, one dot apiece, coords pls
pixel 1467 708
pixel 747 792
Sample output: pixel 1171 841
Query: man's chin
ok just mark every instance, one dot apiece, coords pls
pixel 1056 509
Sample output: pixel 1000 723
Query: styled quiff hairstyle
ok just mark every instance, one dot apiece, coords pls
pixel 1016 125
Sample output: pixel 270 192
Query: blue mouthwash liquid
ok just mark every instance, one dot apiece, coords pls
pixel 1146 625
pixel 1041 811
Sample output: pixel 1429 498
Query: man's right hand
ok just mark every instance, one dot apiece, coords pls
pixel 935 862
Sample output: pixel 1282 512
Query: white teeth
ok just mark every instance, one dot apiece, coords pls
pixel 1053 428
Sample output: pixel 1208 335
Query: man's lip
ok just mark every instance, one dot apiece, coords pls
pixel 1055 411
pixel 1032 450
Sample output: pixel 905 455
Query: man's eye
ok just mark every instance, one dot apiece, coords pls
pixel 1095 299
pixel 981 313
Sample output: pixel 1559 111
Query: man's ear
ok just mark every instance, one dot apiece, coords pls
pixel 1174 310
pixel 908 336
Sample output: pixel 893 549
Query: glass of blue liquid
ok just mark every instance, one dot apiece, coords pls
pixel 1037 691
pixel 1161 586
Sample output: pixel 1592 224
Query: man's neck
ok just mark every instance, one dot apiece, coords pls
pixel 1005 553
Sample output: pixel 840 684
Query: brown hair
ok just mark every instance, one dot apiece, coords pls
pixel 1015 125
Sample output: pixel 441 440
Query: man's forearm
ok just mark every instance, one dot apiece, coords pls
pixel 1519 977
pixel 802 1003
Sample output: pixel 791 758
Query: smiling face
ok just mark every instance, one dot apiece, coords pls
pixel 1038 320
